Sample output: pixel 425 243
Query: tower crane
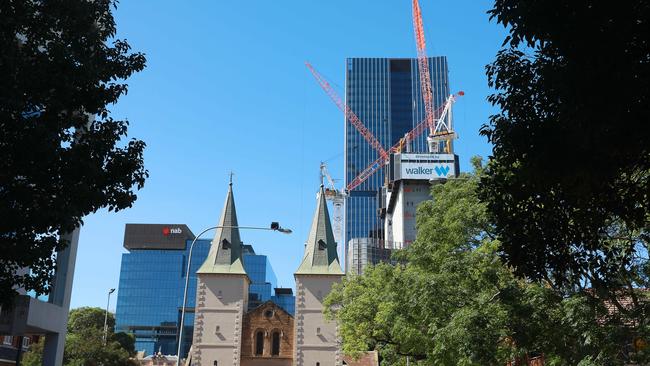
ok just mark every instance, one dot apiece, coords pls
pixel 337 197
pixel 438 121
pixel 349 113
pixel 441 121
pixel 445 117
pixel 436 132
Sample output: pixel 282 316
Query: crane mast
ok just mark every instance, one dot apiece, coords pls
pixel 337 197
pixel 439 128
pixel 423 67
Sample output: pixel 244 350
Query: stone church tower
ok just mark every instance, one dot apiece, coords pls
pixel 221 296
pixel 316 340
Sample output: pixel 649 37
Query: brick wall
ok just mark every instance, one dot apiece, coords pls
pixel 267 318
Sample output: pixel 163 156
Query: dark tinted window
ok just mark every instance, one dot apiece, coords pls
pixel 259 343
pixel 275 349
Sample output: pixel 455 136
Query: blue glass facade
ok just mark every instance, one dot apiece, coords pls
pixel 151 287
pixel 150 296
pixel 285 300
pixel 385 94
pixel 262 277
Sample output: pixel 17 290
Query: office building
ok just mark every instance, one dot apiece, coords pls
pixel 152 280
pixel 385 94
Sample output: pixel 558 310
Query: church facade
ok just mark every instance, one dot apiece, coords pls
pixel 226 333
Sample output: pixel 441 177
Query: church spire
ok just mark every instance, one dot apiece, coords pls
pixel 320 252
pixel 225 256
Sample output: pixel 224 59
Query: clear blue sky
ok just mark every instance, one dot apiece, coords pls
pixel 226 89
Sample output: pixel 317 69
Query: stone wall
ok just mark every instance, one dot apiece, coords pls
pixel 267 318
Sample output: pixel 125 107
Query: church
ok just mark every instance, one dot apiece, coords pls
pixel 227 333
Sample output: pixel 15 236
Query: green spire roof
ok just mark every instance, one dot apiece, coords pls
pixel 320 251
pixel 225 256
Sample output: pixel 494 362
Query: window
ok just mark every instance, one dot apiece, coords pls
pixel 268 313
pixel 275 347
pixel 8 340
pixel 215 363
pixel 26 342
pixel 259 343
pixel 225 244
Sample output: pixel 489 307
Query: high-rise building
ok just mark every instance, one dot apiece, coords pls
pixel 385 94
pixel 152 280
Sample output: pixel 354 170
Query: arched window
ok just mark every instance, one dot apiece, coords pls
pixel 275 347
pixel 259 343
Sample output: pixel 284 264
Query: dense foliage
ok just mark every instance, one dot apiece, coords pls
pixel 452 301
pixel 568 186
pixel 84 343
pixel 63 156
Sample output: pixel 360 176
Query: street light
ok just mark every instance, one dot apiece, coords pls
pixel 275 226
pixel 106 315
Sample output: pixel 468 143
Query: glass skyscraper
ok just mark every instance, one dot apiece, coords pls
pixel 152 279
pixel 385 94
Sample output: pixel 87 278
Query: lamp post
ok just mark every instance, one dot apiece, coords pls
pixel 274 227
pixel 106 315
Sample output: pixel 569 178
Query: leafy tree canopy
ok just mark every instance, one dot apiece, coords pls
pixel 568 186
pixel 63 155
pixel 84 343
pixel 86 318
pixel 452 301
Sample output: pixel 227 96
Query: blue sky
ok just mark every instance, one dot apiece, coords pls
pixel 226 89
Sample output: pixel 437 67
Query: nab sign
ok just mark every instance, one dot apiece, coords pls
pixel 156 236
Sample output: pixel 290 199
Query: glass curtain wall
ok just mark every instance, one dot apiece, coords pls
pixel 150 296
pixel 385 94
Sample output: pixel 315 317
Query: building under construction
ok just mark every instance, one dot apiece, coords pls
pixel 398 141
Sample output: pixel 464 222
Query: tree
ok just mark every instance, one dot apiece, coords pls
pixel 63 156
pixel 84 344
pixel 569 180
pixel 452 301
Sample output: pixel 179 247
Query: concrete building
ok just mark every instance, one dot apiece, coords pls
pixel 228 332
pixel 385 95
pixel 408 184
pixel 44 315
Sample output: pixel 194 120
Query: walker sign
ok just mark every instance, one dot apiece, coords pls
pixel 426 170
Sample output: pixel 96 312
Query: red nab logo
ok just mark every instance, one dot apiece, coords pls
pixel 175 230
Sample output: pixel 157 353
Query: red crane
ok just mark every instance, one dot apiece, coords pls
pixel 412 135
pixel 349 113
pixel 438 121
pixel 423 66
